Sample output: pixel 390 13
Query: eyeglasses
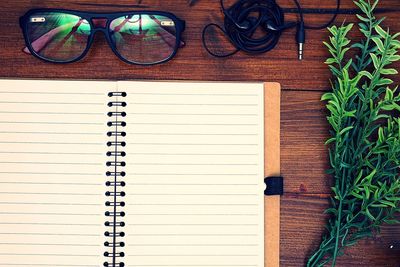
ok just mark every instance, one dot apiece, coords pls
pixel 137 37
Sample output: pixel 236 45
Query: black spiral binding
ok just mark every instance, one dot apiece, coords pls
pixel 115 183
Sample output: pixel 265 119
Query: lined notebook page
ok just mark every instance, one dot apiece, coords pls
pixel 52 165
pixel 194 174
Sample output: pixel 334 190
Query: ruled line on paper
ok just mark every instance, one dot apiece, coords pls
pixel 191 104
pixel 195 204
pixel 193 265
pixel 203 234
pixel 52 122
pixel 51 224
pixel 194 184
pixel 192 144
pixel 194 255
pixel 193 114
pixel 50 194
pixel 190 154
pixel 195 214
pixel 53 183
pixel 196 134
pixel 193 224
pixel 190 164
pixel 52 265
pixel 48 143
pixel 48 93
pixel 53 103
pixel 188 194
pixel 50 234
pixel 196 174
pixel 50 163
pixel 49 244
pixel 49 153
pixel 55 173
pixel 193 124
pixel 192 245
pixel 45 254
pixel 49 133
pixel 51 113
pixel 194 94
pixel 50 204
pixel 52 213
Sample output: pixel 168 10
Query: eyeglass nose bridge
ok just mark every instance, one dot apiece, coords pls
pixel 99 23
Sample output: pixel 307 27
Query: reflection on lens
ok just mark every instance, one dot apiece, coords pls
pixel 58 36
pixel 144 39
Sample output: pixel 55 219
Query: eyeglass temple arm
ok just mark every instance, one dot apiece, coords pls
pixel 43 40
pixel 182 43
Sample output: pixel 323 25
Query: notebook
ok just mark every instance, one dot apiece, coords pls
pixel 97 173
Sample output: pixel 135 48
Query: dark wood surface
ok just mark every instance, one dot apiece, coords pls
pixel 304 128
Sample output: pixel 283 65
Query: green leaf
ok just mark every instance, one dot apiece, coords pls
pixel 391 107
pixel 375 60
pixel 359 176
pixel 389 94
pixel 374 5
pixel 330 140
pixel 369 215
pixel 391 221
pixel 382 33
pixel 384 81
pixel 345 130
pixel 389 71
pixel 395 44
pixel 357 195
pixel 331 49
pixel 331 211
pixel 388 203
pixel 394 58
pixel 381 136
pixel 362 18
pixel 369 177
pixel 379 43
pixel 366 73
pixel 330 61
pixel 367 192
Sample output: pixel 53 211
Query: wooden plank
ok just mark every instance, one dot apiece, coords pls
pixel 304 156
pixel 280 65
pixel 304 131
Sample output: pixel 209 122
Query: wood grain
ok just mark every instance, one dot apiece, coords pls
pixel 302 223
pixel 304 128
pixel 309 74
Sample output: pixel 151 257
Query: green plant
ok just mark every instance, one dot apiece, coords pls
pixel 365 137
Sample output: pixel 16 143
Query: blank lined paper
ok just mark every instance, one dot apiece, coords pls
pixel 193 158
pixel 194 174
pixel 52 165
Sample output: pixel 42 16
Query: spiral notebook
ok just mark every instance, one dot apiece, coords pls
pixel 137 174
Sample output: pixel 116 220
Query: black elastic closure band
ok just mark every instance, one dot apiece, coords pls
pixel 273 186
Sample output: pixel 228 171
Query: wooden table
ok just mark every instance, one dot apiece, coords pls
pixel 304 128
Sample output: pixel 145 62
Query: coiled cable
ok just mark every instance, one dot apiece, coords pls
pixel 245 17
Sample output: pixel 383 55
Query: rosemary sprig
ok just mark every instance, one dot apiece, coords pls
pixel 365 137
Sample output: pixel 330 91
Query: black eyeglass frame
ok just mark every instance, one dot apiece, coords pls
pixel 90 16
